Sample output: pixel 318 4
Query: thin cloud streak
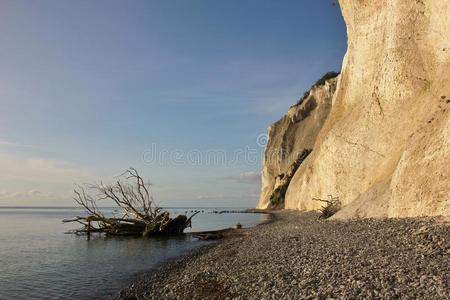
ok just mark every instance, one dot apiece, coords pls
pixel 31 194
pixel 40 169
pixel 8 143
pixel 249 177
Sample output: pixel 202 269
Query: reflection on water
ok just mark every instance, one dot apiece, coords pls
pixel 37 260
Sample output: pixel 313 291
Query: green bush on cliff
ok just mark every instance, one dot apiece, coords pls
pixel 326 77
pixel 278 195
pixel 319 82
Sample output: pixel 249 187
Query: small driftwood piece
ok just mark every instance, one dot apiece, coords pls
pixel 131 195
pixel 216 234
pixel 332 206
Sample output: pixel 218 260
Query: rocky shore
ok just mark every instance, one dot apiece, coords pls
pixel 299 257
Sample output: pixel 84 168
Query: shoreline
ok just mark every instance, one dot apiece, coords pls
pixel 174 263
pixel 296 256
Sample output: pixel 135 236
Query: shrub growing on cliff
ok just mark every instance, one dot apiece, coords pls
pixel 278 195
pixel 325 77
pixel 319 82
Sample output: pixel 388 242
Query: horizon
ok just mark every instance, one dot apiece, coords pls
pixel 183 92
pixel 115 207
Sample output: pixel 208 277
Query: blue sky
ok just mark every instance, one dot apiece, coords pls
pixel 89 88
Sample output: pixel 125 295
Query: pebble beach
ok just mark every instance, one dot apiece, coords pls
pixel 298 256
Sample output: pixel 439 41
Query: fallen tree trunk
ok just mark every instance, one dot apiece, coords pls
pixel 141 217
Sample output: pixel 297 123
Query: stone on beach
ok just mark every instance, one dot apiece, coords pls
pixel 300 257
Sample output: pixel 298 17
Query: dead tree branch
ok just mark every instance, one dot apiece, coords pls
pixel 333 205
pixel 132 196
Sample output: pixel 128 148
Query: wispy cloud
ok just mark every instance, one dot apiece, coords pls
pixel 212 197
pixel 29 180
pixel 36 169
pixel 249 177
pixel 8 143
pixel 26 195
pixel 219 196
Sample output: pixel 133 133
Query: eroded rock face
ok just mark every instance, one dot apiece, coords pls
pixel 384 149
pixel 291 135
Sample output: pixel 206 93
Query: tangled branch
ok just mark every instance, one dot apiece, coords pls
pixel 333 205
pixel 132 195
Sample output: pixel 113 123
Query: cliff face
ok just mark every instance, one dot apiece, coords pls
pixel 384 148
pixel 290 136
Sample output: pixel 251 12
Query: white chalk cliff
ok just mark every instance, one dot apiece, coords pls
pixel 383 146
pixel 293 133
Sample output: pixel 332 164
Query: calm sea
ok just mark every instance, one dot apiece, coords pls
pixel 39 261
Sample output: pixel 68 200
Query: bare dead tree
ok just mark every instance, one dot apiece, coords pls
pixel 332 206
pixel 132 195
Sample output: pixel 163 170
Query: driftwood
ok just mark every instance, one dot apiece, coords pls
pixel 131 194
pixel 333 205
pixel 217 234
